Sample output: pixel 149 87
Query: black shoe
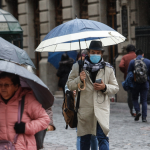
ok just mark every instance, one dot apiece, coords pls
pixel 137 116
pixel 144 119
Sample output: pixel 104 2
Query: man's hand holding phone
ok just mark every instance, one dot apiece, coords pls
pixel 99 85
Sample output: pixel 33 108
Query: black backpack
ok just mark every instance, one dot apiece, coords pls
pixel 140 71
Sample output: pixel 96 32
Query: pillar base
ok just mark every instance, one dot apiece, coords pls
pixel 48 75
pixel 122 94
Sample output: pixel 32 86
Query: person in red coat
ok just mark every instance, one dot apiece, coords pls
pixel 124 64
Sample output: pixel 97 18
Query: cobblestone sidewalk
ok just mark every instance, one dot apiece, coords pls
pixel 125 133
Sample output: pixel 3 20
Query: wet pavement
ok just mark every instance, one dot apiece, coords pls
pixel 125 133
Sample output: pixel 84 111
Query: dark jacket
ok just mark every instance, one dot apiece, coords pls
pixel 63 71
pixel 128 84
pixel 50 114
pixel 125 62
pixel 131 68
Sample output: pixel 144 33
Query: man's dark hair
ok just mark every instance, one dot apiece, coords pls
pixel 130 48
pixel 14 78
pixel 139 52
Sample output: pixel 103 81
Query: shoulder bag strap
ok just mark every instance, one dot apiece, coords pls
pixel 78 98
pixel 20 112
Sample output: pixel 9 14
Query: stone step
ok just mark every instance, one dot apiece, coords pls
pixel 58 94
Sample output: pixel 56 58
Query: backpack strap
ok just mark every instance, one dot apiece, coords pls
pixel 20 112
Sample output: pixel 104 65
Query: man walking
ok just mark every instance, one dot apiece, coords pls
pixel 94 107
pixel 124 64
pixel 141 69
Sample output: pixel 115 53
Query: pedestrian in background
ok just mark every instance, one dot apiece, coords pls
pixel 94 107
pixel 124 64
pixel 51 126
pixel 141 69
pixel 65 66
pixel 34 117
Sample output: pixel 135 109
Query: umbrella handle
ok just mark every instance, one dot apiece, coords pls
pixel 84 86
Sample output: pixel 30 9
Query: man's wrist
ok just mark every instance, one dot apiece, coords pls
pixel 104 90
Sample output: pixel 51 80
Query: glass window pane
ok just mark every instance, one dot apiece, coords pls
pixel 4 27
pixel 10 18
pixel 2 19
pixel 3 12
pixel 14 27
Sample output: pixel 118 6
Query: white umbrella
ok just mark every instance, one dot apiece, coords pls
pixel 66 37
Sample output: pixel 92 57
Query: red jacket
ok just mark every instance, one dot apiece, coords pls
pixel 34 116
pixel 124 64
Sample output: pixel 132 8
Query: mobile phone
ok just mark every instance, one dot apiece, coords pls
pixel 98 81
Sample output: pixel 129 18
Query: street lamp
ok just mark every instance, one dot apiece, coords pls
pixel 10 28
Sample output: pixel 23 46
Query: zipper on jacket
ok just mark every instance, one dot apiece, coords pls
pixel 88 75
pixel 6 123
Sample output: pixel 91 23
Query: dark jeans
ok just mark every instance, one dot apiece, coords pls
pixel 143 97
pixel 130 101
pixel 103 140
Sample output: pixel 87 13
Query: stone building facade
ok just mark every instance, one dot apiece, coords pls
pixel 38 17
pixel 130 15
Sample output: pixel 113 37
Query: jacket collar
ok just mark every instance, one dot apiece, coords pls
pixel 131 52
pixel 19 94
pixel 139 57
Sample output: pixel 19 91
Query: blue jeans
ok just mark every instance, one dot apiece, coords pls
pixel 143 97
pixel 103 140
pixel 93 142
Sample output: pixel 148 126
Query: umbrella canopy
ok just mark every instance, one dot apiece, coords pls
pixel 13 53
pixel 54 58
pixel 28 79
pixel 66 37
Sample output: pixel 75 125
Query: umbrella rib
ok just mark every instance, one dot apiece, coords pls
pixel 100 40
pixel 86 43
pixel 55 48
pixel 70 45
pixel 121 38
pixel 112 36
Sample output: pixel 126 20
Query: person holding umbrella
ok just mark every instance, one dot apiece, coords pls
pixel 94 107
pixel 64 69
pixel 34 117
pixel 93 141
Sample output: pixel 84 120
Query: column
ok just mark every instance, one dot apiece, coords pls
pixel 26 20
pixel 47 23
pixel 70 9
pixel 97 11
pixel 7 6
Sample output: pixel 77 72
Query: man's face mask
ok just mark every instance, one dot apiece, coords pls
pixel 95 58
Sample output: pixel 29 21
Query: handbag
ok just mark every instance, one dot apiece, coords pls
pixel 69 109
pixel 8 145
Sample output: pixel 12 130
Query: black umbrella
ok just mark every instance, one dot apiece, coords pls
pixel 28 79
pixel 13 53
